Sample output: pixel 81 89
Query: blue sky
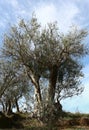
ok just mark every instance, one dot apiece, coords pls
pixel 66 13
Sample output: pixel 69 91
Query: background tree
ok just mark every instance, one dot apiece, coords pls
pixel 14 85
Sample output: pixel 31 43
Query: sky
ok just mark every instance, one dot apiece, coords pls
pixel 66 13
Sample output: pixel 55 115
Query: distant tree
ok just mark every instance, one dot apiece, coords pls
pixel 7 76
pixel 48 54
pixel 14 84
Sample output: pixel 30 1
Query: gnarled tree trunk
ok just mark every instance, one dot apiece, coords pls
pixel 38 98
pixel 52 83
pixel 17 105
pixel 35 80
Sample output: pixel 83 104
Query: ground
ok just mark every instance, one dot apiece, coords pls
pixel 69 121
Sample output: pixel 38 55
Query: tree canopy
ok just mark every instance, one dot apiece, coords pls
pixel 48 55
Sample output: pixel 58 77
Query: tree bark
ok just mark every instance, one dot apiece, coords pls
pixel 35 81
pixel 6 106
pixel 52 83
pixel 9 107
pixel 17 106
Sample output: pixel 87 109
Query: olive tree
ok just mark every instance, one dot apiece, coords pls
pixel 47 54
pixel 14 84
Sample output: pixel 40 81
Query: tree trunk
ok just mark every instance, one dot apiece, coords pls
pixel 6 106
pixel 35 80
pixel 9 107
pixel 38 93
pixel 17 106
pixel 52 83
pixel 3 105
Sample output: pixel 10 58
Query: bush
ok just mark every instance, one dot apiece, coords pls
pixel 12 121
pixel 84 121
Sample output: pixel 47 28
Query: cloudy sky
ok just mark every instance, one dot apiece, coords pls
pixel 66 13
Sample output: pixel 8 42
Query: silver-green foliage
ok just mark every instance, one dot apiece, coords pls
pixel 48 54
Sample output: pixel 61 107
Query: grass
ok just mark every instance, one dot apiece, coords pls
pixel 69 121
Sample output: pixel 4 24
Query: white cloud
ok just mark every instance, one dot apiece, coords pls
pixel 62 12
pixel 46 13
pixel 14 3
pixel 12 11
pixel 18 10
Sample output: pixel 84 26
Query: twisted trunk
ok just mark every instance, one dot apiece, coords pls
pixel 35 80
